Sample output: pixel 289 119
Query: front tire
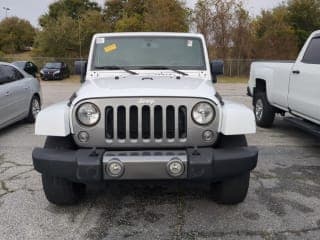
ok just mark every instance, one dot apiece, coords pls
pixel 263 111
pixel 34 109
pixel 61 191
pixel 233 190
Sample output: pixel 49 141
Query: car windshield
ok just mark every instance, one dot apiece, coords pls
pixel 53 65
pixel 184 53
pixel 19 64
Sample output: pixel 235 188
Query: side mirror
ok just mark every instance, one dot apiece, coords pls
pixel 80 68
pixel 217 68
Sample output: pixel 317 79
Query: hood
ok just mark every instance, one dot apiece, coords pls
pixel 147 86
pixel 50 69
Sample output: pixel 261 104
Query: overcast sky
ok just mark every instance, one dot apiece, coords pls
pixel 32 9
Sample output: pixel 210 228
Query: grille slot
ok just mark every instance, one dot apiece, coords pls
pixel 109 123
pixel 121 122
pixel 134 123
pixel 146 122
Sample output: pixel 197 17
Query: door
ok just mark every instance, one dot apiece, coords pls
pixel 304 90
pixel 16 93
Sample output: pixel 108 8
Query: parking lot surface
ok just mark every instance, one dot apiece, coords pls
pixel 283 200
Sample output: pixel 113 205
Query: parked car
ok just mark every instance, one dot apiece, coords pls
pixel 54 71
pixel 20 95
pixel 292 87
pixel 148 110
pixel 27 66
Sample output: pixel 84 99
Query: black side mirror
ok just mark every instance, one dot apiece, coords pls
pixel 217 68
pixel 80 68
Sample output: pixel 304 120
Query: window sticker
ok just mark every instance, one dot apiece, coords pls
pixel 100 41
pixel 110 48
pixel 190 43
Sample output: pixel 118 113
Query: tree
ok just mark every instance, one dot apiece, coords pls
pixel 70 8
pixel 304 17
pixel 62 37
pixel 202 18
pixel 274 37
pixel 15 35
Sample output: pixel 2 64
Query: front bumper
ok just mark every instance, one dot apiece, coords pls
pixel 87 165
pixel 50 76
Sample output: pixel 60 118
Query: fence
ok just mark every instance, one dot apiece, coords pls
pixel 232 67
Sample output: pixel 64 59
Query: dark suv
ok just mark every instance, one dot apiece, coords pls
pixel 54 71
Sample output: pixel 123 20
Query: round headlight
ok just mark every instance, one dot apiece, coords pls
pixel 88 114
pixel 203 113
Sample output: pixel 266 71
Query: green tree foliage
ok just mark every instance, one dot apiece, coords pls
pixel 147 15
pixel 304 17
pixel 70 8
pixel 15 35
pixel 274 37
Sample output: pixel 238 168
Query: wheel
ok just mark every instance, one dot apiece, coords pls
pixel 34 109
pixel 61 191
pixel 58 190
pixel 263 111
pixel 233 190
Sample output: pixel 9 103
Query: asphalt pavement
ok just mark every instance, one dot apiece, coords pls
pixel 283 200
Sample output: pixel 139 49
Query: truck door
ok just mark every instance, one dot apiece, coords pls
pixel 304 89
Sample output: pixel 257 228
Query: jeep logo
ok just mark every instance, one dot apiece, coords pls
pixel 145 101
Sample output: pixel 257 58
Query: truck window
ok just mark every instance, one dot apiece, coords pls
pixel 312 54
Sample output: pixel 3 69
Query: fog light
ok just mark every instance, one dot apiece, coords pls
pixel 115 168
pixel 83 137
pixel 175 167
pixel 208 136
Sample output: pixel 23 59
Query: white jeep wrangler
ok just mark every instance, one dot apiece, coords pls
pixel 147 110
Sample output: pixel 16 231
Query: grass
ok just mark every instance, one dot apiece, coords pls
pixel 233 79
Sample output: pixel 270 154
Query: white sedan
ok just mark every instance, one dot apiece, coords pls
pixel 20 95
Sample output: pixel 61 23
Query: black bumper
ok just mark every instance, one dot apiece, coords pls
pixel 203 164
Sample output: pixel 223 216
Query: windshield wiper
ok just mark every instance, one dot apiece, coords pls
pixel 164 68
pixel 116 68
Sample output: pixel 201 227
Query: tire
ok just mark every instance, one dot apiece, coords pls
pixel 232 141
pixel 61 191
pixel 263 111
pixel 233 190
pixel 34 109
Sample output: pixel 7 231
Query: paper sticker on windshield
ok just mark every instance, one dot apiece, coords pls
pixel 190 43
pixel 100 40
pixel 110 48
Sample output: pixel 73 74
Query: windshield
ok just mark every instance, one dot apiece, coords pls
pixel 148 52
pixel 53 65
pixel 19 64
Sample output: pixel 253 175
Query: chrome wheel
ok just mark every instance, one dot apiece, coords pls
pixel 35 107
pixel 259 109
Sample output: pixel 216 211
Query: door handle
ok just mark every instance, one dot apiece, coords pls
pixel 7 94
pixel 296 72
pixel 26 88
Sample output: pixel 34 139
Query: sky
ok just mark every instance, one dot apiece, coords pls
pixel 33 9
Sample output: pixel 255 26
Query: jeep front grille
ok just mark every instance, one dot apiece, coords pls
pixel 149 122
pixel 146 123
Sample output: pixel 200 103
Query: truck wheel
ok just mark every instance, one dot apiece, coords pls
pixel 58 190
pixel 61 191
pixel 263 111
pixel 233 190
pixel 34 109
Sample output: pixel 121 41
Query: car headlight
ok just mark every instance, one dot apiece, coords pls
pixel 203 113
pixel 41 71
pixel 56 72
pixel 88 114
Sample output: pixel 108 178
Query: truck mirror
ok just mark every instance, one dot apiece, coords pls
pixel 80 68
pixel 217 68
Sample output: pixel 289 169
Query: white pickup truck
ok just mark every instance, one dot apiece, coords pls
pixel 289 87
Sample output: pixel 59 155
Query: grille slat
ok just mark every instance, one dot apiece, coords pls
pixel 132 123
